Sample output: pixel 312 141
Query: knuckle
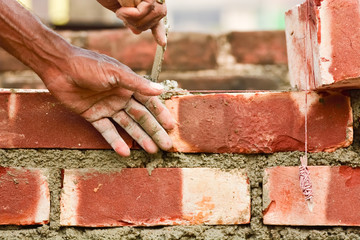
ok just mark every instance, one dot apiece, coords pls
pixel 131 127
pixel 142 119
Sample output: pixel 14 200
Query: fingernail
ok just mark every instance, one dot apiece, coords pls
pixel 167 144
pixel 156 86
pixel 124 152
pixel 163 42
pixel 150 146
pixel 171 124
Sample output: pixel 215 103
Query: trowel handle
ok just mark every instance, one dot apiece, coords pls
pixel 129 3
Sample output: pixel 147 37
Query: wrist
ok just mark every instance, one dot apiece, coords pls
pixel 51 51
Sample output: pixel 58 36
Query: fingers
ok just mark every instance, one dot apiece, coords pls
pixel 159 33
pixel 146 16
pixel 135 131
pixel 106 106
pixel 143 126
pixel 109 132
pixel 138 12
pixel 149 124
pixel 158 109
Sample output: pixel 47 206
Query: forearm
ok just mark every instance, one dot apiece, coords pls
pixel 25 37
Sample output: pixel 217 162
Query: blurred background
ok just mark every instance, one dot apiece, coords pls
pixel 184 15
pixel 213 45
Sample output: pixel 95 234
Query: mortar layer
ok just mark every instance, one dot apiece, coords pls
pixel 107 160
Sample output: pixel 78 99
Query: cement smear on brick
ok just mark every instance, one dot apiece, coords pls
pixel 107 160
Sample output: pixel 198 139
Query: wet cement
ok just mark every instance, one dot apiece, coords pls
pixel 254 165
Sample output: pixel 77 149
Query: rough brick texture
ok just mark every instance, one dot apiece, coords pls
pixel 323 44
pixel 24 197
pixel 218 82
pixel 193 51
pixel 132 197
pixel 258 47
pixel 34 119
pixel 335 203
pixel 184 52
pixel 263 122
pixel 135 51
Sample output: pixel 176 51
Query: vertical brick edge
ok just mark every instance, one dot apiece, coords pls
pixel 43 213
pixel 69 198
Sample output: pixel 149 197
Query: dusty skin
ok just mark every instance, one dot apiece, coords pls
pixel 106 160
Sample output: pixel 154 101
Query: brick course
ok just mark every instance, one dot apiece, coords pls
pixel 185 52
pixel 260 122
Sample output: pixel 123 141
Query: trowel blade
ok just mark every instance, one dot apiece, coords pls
pixel 159 56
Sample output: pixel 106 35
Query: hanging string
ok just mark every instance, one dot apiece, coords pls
pixel 305 181
pixel 304 173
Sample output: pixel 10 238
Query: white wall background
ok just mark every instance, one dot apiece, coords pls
pixel 184 15
pixel 226 15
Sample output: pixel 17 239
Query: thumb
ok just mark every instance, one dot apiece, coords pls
pixel 139 84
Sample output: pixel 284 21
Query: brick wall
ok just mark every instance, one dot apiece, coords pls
pixel 197 61
pixel 233 171
pixel 230 177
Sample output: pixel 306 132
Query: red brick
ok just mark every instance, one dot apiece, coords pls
pixel 262 122
pixel 267 47
pixel 35 119
pixel 336 199
pixel 10 63
pixel 266 122
pixel 226 82
pixel 185 51
pixel 135 51
pixel 24 197
pixel 132 197
pixel 323 41
pixel 190 51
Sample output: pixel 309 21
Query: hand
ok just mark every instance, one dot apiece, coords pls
pixel 147 15
pixel 97 87
pixel 100 88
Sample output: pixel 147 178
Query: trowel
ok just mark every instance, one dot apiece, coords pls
pixel 160 51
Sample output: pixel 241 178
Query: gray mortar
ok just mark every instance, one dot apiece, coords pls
pixel 107 160
pixel 171 88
